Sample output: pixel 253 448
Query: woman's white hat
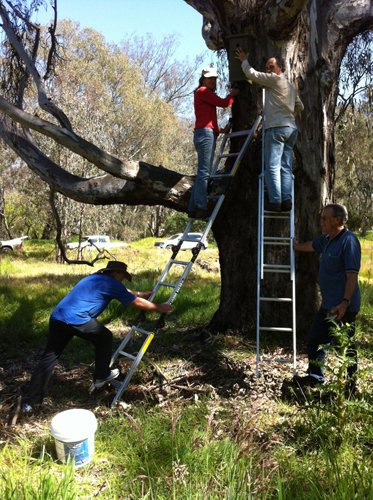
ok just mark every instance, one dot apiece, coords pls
pixel 209 73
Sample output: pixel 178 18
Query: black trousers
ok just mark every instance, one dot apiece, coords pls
pixel 321 333
pixel 59 336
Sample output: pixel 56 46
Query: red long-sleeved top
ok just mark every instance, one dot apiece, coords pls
pixel 205 103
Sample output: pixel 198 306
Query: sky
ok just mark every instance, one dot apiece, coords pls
pixel 117 18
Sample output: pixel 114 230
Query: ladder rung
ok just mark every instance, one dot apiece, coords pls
pixel 126 355
pixel 275 329
pixel 277 270
pixel 275 238
pixel 276 299
pixel 239 133
pixel 275 215
pixel 180 262
pixel 170 285
pixel 278 243
pixel 276 360
pixel 116 384
pixel 218 176
pixel 276 266
pixel 145 332
pixel 228 155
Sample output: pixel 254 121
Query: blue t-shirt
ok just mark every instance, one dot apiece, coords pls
pixel 89 298
pixel 339 256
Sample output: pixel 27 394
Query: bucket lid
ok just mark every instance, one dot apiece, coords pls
pixel 73 425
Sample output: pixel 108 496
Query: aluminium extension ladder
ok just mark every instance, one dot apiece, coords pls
pixel 287 268
pixel 187 265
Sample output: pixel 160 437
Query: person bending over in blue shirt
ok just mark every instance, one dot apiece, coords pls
pixel 339 267
pixel 76 315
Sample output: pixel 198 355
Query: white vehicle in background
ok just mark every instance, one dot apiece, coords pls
pixel 10 245
pixel 93 241
pixel 190 242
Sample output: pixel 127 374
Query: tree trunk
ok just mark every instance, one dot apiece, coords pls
pixel 312 45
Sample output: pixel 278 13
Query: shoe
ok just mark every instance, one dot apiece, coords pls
pixel 192 215
pixel 102 381
pixel 272 207
pixel 203 214
pixel 286 206
pixel 27 408
pixel 307 381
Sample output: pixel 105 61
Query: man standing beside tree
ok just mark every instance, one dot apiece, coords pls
pixel 281 103
pixel 339 267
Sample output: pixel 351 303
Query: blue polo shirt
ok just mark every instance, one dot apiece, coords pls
pixel 339 256
pixel 89 298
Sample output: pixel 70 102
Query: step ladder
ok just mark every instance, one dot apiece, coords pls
pixel 164 283
pixel 265 269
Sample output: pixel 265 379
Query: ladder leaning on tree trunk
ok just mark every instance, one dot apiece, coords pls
pixel 287 268
pixel 164 282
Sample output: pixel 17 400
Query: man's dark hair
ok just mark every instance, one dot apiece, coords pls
pixel 338 210
pixel 280 62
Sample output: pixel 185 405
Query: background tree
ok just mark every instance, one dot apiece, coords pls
pixel 22 197
pixel 312 36
pixel 356 79
pixel 102 90
pixel 354 172
pixel 162 73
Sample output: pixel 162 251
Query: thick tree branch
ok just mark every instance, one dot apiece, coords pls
pixel 139 172
pixel 211 31
pixel 222 18
pixel 355 17
pixel 158 186
pixel 128 170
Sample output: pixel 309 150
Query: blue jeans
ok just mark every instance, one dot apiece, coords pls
pixel 205 142
pixel 320 333
pixel 278 153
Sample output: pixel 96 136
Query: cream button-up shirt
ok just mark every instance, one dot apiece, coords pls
pixel 281 99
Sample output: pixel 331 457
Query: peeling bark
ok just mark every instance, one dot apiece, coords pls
pixel 155 185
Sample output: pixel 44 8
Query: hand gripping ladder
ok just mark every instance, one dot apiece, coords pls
pixel 186 265
pixel 287 268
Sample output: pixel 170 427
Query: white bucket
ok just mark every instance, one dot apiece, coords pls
pixel 74 434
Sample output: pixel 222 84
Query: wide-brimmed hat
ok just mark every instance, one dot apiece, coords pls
pixel 116 265
pixel 209 73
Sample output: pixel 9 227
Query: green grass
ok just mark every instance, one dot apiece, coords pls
pixel 16 464
pixel 230 436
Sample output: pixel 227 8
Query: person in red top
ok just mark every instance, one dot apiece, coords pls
pixel 206 132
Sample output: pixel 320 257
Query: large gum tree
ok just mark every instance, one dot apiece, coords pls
pixel 312 37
